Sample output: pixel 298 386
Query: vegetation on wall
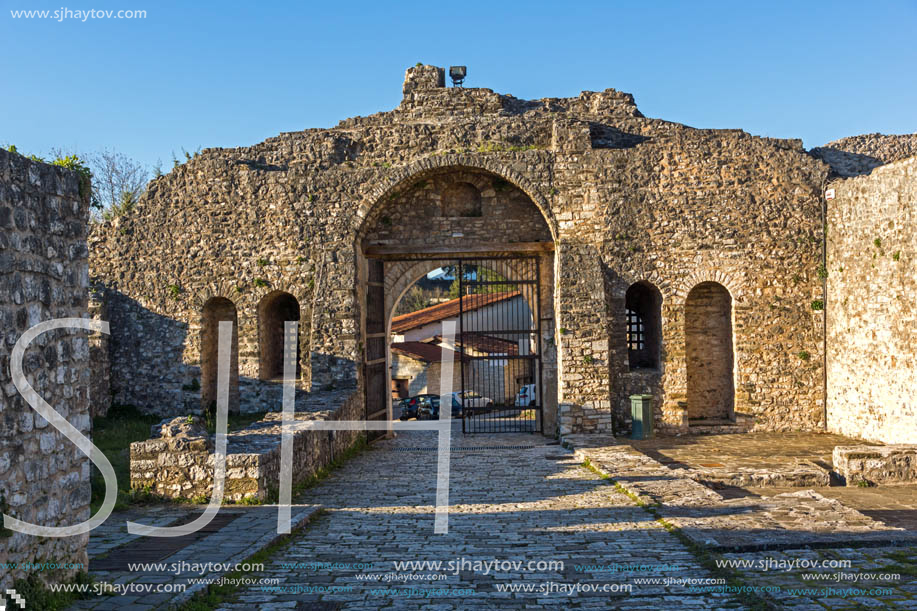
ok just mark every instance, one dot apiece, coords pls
pixel 113 181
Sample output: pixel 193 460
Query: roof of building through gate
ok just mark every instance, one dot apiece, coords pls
pixel 447 309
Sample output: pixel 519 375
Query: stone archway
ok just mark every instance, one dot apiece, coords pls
pixel 274 310
pixel 428 220
pixel 709 353
pixel 213 312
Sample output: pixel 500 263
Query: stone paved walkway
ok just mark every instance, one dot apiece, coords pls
pixel 513 498
pixel 518 498
pixel 876 578
pixel 791 545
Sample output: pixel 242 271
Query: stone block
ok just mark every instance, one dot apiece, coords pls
pixel 883 465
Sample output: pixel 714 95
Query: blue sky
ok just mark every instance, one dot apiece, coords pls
pixel 234 73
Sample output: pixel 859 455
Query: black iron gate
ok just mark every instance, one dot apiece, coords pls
pixel 497 383
pixel 498 343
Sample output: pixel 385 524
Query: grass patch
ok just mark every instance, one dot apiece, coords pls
pixel 113 435
pixel 38 596
pixel 216 595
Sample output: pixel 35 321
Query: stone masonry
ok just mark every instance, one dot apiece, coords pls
pixel 181 466
pixel 610 197
pixel 872 305
pixel 876 465
pixel 44 479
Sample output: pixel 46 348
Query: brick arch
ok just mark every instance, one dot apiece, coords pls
pixel 220 288
pixel 728 281
pixel 665 287
pixel 409 174
pixel 256 294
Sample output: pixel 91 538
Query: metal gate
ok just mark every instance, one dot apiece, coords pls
pixel 499 345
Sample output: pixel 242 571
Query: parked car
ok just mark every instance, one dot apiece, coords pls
pixel 408 408
pixel 420 404
pixel 527 396
pixel 473 401
pixel 429 410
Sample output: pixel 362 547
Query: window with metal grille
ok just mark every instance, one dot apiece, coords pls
pixel 636 333
pixel 642 304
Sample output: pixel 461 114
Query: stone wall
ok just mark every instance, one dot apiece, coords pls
pixel 623 199
pixel 424 377
pixel 99 363
pixel 44 479
pixel 872 305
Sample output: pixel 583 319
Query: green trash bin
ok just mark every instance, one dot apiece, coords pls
pixel 641 414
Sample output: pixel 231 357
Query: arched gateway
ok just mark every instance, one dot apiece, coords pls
pixel 498 246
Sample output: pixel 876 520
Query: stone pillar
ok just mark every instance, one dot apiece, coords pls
pixel 583 338
pixel 335 320
pixel 423 77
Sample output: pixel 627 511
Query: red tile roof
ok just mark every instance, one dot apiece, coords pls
pixel 430 353
pixel 486 343
pixel 448 309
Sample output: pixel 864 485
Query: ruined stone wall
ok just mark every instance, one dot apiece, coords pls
pixel 623 198
pixel 860 154
pixel 44 479
pixel 872 305
pixel 99 363
pixel 182 467
pixel 191 240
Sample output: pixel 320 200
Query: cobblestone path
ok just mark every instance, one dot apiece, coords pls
pixel 513 498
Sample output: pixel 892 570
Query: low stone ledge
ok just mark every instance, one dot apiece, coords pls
pixel 891 464
pixel 182 466
pixel 801 474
